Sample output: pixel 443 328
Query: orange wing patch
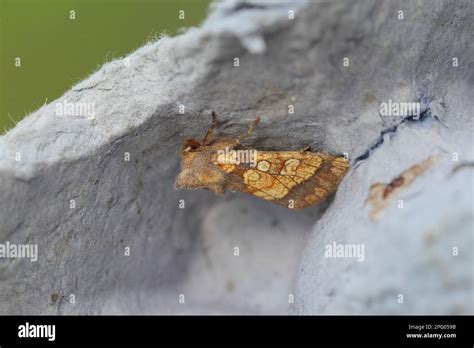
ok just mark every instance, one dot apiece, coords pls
pixel 264 185
pixel 228 168
pixel 281 175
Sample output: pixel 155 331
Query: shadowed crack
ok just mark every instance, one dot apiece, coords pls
pixel 391 130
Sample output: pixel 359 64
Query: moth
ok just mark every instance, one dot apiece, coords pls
pixel 293 179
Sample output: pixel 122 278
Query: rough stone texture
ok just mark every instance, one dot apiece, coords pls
pixel 190 251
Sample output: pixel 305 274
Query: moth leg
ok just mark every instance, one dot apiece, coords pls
pixel 305 148
pixel 208 137
pixel 249 131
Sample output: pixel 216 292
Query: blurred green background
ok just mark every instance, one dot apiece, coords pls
pixel 57 51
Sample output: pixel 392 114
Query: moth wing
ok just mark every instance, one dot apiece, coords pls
pixel 294 179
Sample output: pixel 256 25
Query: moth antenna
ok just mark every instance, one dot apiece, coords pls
pixel 208 137
pixel 250 130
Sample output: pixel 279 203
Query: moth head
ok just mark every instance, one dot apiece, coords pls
pixel 197 168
